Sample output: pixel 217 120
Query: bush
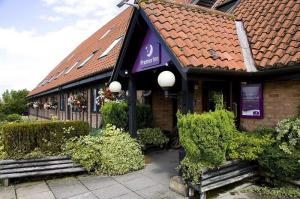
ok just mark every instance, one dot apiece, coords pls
pixel 280 164
pixel 282 192
pixel 14 118
pixel 113 152
pixel 206 137
pixel 23 138
pixel 248 146
pixel 2 117
pixel 152 136
pixel 116 113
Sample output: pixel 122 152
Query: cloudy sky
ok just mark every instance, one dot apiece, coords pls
pixel 35 35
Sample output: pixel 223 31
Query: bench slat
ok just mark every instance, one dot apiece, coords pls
pixel 39 173
pixel 32 164
pixel 227 181
pixel 228 176
pixel 5 162
pixel 38 168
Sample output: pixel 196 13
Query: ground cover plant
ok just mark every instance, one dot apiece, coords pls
pixel 113 152
pixel 27 139
pixel 282 192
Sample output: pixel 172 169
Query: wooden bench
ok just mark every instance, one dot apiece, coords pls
pixel 12 169
pixel 231 172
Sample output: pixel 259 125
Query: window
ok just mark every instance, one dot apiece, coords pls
pixel 87 59
pixel 112 45
pixel 94 105
pixel 105 34
pixel 63 102
pixel 59 74
pixel 51 79
pixel 69 70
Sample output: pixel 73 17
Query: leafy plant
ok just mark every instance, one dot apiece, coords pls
pixel 116 113
pixel 14 101
pixel 275 192
pixel 248 146
pixel 152 136
pixel 288 135
pixel 14 118
pixel 22 138
pixel 113 152
pixel 280 164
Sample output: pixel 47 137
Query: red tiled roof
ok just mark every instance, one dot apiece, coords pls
pixel 118 27
pixel 199 37
pixel 273 29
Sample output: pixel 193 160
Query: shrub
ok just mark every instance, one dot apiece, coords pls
pixel 152 136
pixel 248 146
pixel 288 135
pixel 113 152
pixel 280 164
pixel 206 137
pixel 2 117
pixel 14 118
pixel 282 192
pixel 23 138
pixel 116 113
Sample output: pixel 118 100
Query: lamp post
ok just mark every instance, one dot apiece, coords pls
pixel 166 81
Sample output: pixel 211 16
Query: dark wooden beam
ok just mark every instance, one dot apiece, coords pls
pixel 187 105
pixel 132 98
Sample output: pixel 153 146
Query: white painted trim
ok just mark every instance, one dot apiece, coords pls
pixel 246 51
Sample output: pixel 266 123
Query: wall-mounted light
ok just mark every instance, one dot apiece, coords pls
pixel 166 81
pixel 115 87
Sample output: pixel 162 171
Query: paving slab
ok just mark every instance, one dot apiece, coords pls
pixel 41 195
pixel 31 188
pixel 139 183
pixel 131 195
pixel 113 191
pixel 155 191
pixel 84 196
pixel 97 182
pixel 7 192
pixel 66 187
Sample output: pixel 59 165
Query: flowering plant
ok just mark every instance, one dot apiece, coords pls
pixel 78 101
pixel 105 95
pixel 36 105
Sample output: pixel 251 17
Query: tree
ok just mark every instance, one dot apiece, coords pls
pixel 14 101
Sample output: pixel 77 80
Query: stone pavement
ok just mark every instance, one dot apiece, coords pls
pixel 151 182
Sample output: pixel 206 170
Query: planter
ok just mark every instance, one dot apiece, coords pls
pixel 230 172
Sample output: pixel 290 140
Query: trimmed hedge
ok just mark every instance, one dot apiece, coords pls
pixel 152 136
pixel 23 138
pixel 116 113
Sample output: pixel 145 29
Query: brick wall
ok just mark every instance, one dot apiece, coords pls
pixel 162 109
pixel 281 99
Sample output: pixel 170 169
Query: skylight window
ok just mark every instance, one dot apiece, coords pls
pixel 51 79
pixel 59 74
pixel 69 70
pixel 87 59
pixel 105 34
pixel 112 45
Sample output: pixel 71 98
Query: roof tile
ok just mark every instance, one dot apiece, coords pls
pixel 195 31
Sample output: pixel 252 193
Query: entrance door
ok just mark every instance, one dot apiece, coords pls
pixel 215 94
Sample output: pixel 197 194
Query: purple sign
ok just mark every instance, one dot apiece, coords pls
pixel 251 101
pixel 151 54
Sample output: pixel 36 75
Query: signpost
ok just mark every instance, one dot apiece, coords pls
pixel 251 101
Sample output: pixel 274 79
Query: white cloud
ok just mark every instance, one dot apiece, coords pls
pixel 51 18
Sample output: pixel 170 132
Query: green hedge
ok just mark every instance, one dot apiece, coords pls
pixel 23 138
pixel 116 113
pixel 152 136
pixel 206 137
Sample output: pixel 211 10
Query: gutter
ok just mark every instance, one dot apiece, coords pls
pixel 73 84
pixel 234 73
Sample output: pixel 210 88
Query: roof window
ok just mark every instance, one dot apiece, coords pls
pixel 105 34
pixel 112 45
pixel 87 59
pixel 69 70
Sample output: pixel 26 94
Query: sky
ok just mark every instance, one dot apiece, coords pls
pixel 35 35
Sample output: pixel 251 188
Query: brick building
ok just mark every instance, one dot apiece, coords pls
pixel 247 51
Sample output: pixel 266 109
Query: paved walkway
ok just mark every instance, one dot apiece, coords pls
pixel 151 182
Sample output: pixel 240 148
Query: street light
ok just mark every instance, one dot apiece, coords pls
pixel 166 81
pixel 115 87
